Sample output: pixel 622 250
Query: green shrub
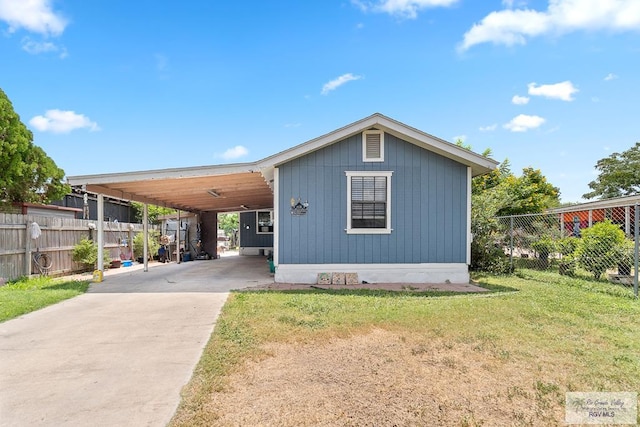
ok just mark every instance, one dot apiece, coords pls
pixel 567 245
pixel 544 246
pixel 568 263
pixel 86 253
pixel 600 247
pixel 489 258
pixel 152 244
pixel 625 257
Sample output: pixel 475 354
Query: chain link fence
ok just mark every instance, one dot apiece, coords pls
pixel 598 243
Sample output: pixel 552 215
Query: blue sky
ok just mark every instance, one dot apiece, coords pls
pixel 111 86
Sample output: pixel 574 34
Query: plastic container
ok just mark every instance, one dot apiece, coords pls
pixel 97 276
pixel 127 263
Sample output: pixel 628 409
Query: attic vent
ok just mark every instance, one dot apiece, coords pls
pixel 373 146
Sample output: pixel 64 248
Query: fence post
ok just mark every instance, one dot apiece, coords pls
pixel 511 242
pixel 27 249
pixel 636 227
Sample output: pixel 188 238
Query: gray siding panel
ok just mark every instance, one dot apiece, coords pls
pixel 428 207
pixel 249 238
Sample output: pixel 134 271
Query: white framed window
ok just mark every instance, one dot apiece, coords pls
pixel 264 222
pixel 373 146
pixel 368 202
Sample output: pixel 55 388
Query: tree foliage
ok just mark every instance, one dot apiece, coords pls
pixel 153 211
pixel 228 222
pixel 28 174
pixel 619 175
pixel 528 193
pixel 501 193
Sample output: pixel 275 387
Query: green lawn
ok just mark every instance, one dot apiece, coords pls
pixel 551 334
pixel 27 295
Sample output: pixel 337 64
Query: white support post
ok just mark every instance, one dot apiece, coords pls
pixel 276 215
pixel 468 228
pixel 145 234
pixel 590 217
pixel 179 228
pixel 101 232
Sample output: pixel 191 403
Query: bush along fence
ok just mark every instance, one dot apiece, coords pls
pixel 600 243
pixel 32 244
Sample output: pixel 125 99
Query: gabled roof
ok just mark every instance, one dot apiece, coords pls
pixel 235 187
pixel 479 164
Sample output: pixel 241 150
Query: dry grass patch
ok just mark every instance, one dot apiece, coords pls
pixel 383 378
pixel 360 359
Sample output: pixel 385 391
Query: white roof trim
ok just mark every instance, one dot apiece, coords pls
pixel 150 175
pixel 479 164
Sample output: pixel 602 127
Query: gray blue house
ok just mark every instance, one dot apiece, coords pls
pixel 377 198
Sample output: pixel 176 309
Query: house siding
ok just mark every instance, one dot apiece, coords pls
pixel 249 238
pixel 428 207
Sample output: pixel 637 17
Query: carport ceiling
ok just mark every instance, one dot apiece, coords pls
pixel 212 188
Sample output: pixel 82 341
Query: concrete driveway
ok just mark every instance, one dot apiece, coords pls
pixel 120 354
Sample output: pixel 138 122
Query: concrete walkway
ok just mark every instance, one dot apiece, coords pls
pixel 120 354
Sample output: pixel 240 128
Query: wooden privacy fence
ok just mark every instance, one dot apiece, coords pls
pixel 19 252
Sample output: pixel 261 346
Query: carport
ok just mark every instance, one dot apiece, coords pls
pixel 205 190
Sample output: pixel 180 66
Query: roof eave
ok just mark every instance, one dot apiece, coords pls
pixel 480 165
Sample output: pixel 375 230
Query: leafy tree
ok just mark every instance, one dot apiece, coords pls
pixel 501 193
pixel 28 174
pixel 228 222
pixel 154 212
pixel 530 193
pixel 619 175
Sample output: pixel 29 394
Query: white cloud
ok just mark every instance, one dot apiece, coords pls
pixel 35 16
pixel 563 90
pixel 514 26
pixel 59 121
pixel 403 8
pixel 34 47
pixel 336 83
pixel 520 100
pixel 523 123
pixel 462 138
pixel 610 77
pixel 489 128
pixel 235 153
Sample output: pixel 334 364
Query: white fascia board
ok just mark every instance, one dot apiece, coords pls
pixel 479 164
pixel 319 142
pixel 150 175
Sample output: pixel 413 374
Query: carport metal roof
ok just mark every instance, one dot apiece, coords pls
pixel 249 186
